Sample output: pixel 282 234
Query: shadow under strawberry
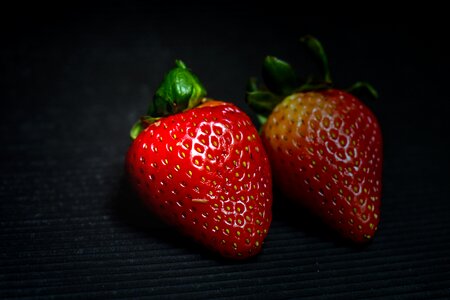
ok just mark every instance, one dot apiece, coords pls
pixel 131 211
pixel 299 218
pixel 127 208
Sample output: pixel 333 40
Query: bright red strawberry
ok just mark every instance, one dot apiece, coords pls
pixel 203 169
pixel 325 148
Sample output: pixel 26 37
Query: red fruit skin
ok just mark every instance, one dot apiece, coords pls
pixel 325 150
pixel 205 172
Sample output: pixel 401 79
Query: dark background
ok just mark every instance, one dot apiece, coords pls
pixel 74 80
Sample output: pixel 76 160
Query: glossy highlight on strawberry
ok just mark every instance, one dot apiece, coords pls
pixel 205 172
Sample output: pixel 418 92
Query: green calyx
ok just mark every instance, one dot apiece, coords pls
pixel 180 90
pixel 279 76
pixel 318 51
pixel 280 81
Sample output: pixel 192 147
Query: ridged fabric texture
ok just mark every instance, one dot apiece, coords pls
pixel 74 82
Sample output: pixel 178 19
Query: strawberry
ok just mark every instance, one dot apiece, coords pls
pixel 324 145
pixel 200 166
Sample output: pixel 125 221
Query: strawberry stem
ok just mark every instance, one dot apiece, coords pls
pixel 180 90
pixel 137 128
pixel 263 102
pixel 362 85
pixel 252 85
pixel 317 49
pixel 281 80
pixel 140 125
pixel 279 76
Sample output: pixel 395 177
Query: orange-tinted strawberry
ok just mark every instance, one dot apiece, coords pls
pixel 203 169
pixel 325 148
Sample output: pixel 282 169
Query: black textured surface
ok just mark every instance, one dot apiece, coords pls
pixel 74 81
